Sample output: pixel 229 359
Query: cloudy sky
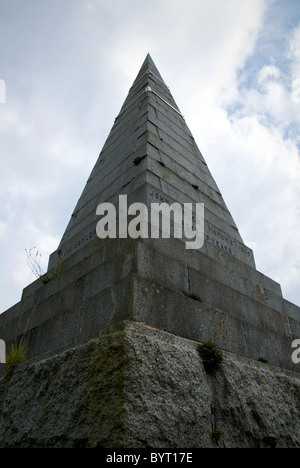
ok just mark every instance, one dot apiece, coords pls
pixel 233 67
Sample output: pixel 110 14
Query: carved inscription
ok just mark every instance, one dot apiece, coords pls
pixel 224 242
pixel 213 235
pixel 81 242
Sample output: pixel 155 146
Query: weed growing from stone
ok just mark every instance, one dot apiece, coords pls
pixel 16 355
pixel 216 435
pixel 211 356
pixel 138 160
pixel 192 296
pixel 34 259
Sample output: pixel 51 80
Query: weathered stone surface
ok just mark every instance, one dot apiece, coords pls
pixel 72 398
pixel 256 405
pixel 134 386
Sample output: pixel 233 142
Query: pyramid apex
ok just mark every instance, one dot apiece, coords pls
pixel 149 59
pixel 149 66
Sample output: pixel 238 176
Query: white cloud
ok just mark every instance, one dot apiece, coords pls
pixel 295 52
pixel 268 73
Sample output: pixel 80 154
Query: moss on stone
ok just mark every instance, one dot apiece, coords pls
pixel 107 379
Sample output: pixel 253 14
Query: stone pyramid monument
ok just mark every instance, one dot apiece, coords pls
pixel 114 327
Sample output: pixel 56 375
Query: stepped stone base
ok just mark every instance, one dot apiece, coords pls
pixel 238 308
pixel 134 386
